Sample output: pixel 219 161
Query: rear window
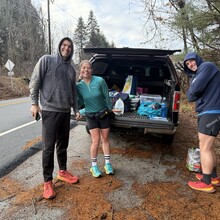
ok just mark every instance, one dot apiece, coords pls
pixel 99 68
pixel 122 68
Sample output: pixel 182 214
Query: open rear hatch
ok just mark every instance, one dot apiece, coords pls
pixel 130 51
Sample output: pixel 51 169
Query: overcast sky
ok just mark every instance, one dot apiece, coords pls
pixel 120 21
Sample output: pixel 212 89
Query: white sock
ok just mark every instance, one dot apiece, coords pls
pixel 94 161
pixel 107 159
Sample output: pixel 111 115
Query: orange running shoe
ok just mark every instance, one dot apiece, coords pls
pixel 48 190
pixel 215 181
pixel 64 175
pixel 201 186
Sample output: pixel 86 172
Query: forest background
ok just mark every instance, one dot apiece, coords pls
pixel 24 31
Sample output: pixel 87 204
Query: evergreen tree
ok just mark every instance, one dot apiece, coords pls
pixel 80 38
pixel 201 24
pixel 95 37
pixel 89 36
pixel 93 31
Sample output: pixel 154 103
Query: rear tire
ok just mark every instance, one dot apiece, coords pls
pixel 168 139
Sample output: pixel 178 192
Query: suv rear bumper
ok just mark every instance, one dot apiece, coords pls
pixel 148 125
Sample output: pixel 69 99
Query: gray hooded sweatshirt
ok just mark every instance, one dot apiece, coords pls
pixel 55 80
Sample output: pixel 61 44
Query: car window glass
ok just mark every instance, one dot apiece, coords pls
pixel 99 68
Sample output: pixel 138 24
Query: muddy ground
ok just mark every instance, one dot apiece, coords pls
pixel 150 182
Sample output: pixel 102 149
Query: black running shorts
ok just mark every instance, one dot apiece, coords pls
pixel 98 123
pixel 209 124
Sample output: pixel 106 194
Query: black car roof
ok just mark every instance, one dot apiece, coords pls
pixel 130 51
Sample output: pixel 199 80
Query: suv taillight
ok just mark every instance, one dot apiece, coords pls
pixel 176 101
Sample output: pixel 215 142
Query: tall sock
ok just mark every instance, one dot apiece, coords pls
pixel 214 173
pixel 206 178
pixel 107 159
pixel 94 161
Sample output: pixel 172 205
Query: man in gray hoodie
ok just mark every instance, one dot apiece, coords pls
pixel 54 80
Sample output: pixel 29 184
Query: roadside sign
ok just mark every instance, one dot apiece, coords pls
pixel 9 65
pixel 11 73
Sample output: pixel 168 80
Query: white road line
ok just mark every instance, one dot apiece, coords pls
pixel 14 129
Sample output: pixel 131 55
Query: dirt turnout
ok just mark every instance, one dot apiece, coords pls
pixel 150 182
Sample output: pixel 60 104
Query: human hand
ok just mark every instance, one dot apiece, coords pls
pixel 78 116
pixel 35 109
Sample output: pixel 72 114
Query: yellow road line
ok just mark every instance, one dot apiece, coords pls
pixel 14 103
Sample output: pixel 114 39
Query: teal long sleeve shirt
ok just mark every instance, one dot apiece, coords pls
pixel 94 96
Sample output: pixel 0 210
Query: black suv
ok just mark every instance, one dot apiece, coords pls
pixel 155 73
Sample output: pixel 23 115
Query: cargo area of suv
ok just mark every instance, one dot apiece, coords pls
pixel 154 78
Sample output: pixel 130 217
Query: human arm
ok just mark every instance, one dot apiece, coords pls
pixel 35 85
pixel 75 102
pixel 75 95
pixel 105 91
pixel 204 74
pixel 80 104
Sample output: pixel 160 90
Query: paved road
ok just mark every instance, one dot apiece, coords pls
pixel 18 133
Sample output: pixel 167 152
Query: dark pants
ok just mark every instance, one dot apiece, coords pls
pixel 55 132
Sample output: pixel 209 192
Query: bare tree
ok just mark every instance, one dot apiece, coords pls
pixel 22 34
pixel 195 22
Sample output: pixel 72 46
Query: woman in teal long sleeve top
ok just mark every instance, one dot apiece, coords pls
pixel 94 96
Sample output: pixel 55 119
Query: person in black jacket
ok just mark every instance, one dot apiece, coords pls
pixel 204 90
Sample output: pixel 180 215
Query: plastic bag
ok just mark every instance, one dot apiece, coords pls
pixel 150 109
pixel 193 160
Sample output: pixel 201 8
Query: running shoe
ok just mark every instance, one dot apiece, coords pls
pixel 48 190
pixel 201 186
pixel 215 181
pixel 108 169
pixel 64 175
pixel 95 171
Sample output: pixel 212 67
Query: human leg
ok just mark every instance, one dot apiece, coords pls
pixel 214 170
pixel 104 125
pixel 208 129
pixel 207 153
pixel 105 140
pixel 63 130
pixel 95 136
pixel 106 150
pixel 209 125
pixel 61 148
pixel 49 139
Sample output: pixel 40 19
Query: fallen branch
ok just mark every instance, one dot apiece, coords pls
pixel 112 213
pixel 33 204
pixel 10 197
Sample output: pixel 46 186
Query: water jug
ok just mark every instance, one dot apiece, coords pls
pixel 164 108
pixel 119 107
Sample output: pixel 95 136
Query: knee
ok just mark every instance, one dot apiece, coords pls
pixel 205 149
pixel 95 142
pixel 105 140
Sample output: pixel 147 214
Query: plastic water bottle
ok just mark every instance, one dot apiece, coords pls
pixel 119 107
pixel 164 108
